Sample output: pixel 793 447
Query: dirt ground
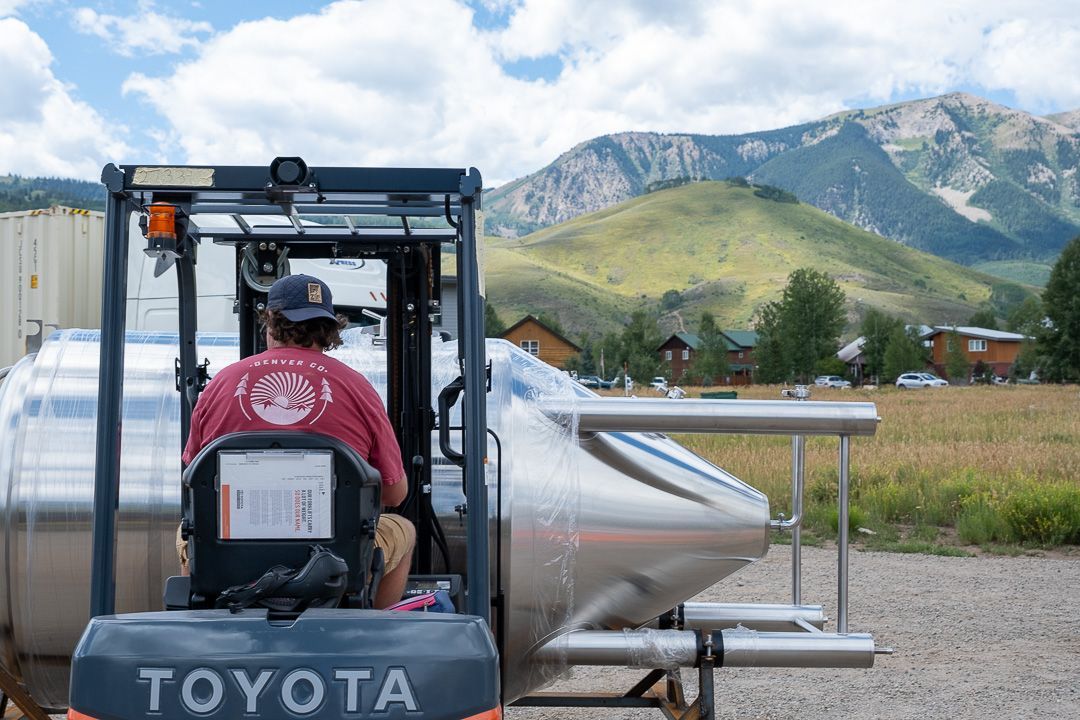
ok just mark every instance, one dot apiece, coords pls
pixel 981 637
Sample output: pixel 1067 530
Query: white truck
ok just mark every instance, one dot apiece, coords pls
pixel 50 278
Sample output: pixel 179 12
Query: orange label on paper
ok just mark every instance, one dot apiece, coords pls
pixel 225 508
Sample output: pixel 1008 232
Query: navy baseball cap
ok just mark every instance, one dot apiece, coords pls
pixel 301 297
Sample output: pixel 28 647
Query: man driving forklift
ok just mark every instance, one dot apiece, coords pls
pixel 293 385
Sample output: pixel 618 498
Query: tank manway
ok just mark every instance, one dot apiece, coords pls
pixel 754 417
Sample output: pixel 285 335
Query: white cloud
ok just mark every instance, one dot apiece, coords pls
pixel 147 32
pixel 384 82
pixel 43 129
pixel 11 7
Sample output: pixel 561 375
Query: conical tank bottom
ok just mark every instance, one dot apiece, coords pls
pixel 655 525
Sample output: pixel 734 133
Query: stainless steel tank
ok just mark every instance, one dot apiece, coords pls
pixel 588 531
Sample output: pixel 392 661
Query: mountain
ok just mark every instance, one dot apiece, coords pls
pixel 956 175
pixel 30 193
pixel 722 247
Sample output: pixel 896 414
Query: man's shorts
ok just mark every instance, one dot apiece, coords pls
pixel 394 534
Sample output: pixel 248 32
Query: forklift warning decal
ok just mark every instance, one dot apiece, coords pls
pixel 275 495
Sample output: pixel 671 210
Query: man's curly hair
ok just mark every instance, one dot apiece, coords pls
pixel 322 333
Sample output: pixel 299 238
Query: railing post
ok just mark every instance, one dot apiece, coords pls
pixel 798 468
pixel 842 540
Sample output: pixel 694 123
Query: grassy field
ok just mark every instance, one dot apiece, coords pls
pixel 951 470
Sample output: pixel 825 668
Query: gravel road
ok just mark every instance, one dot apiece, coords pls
pixel 982 637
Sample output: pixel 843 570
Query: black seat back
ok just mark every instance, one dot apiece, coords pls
pixel 252 472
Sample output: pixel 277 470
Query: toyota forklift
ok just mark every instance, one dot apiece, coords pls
pixel 276 625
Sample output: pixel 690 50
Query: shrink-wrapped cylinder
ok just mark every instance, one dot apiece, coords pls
pixel 586 531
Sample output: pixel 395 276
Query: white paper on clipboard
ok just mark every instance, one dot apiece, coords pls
pixel 275 494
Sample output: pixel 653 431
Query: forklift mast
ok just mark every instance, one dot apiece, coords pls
pixel 357 213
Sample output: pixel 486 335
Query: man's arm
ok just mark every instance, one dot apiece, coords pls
pixel 394 495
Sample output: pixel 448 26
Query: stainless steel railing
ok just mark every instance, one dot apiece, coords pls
pixel 749 417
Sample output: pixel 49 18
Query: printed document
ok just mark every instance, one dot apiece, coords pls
pixel 272 494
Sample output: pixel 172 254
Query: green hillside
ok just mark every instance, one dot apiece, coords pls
pixel 21 193
pixel 721 248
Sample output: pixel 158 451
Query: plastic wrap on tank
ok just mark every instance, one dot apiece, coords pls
pixel 604 531
pixel 47 463
pixel 648 649
pixel 554 496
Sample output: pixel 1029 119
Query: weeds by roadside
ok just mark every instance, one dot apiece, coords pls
pixel 1000 465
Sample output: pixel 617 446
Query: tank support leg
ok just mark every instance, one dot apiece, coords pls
pixel 14 691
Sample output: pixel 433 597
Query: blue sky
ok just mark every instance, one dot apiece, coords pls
pixel 505 85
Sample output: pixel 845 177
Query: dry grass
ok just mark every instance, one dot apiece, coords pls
pixel 999 464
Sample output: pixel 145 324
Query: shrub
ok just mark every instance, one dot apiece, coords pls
pixel 1047 515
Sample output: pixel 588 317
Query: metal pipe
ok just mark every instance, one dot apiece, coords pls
pixel 762 617
pixel 739 647
pixel 793 522
pixel 747 648
pixel 627 648
pixel 751 417
pixel 842 541
pixel 798 449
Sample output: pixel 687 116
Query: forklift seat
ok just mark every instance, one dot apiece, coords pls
pixel 273 509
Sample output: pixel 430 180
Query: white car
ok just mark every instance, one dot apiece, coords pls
pixel 833 381
pixel 914 380
pixel 933 380
pixel 657 383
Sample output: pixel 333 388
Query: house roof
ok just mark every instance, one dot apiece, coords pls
pixel 742 338
pixel 733 339
pixel 852 350
pixel 978 332
pixel 547 327
pixel 690 340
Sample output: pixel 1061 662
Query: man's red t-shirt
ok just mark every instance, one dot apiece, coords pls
pixel 297 389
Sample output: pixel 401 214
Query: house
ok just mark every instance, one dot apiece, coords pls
pixel 852 356
pixel 995 348
pixel 679 349
pixel 536 338
pixel 741 344
pixel 678 352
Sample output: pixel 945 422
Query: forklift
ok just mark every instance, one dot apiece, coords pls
pixel 325 653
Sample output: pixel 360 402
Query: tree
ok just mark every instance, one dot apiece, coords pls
pixel 812 318
pixel 877 330
pixel 638 345
pixel 904 352
pixel 1026 317
pixel 984 318
pixel 771 350
pixel 710 362
pixel 493 325
pixel 1059 341
pixel 584 362
pixel 957 366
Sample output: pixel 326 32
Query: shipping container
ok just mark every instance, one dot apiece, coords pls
pixel 50 275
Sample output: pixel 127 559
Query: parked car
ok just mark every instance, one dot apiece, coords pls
pixel 933 380
pixel 912 380
pixel 658 383
pixel 833 381
pixel 606 384
pixel 589 381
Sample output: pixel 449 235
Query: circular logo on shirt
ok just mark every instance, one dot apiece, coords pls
pixel 282 398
